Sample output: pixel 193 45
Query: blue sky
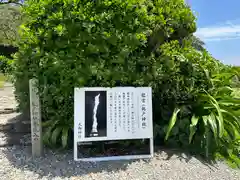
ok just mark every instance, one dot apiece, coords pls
pixel 219 27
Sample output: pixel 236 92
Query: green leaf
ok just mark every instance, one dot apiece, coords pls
pixel 220 119
pixel 172 122
pixel 47 135
pixel 229 102
pixel 233 118
pixel 205 120
pixel 232 131
pixel 48 123
pixel 194 121
pixel 55 135
pixel 213 124
pixel 207 140
pixel 224 90
pixel 65 137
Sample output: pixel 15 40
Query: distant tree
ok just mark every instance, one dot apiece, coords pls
pixel 236 79
pixel 17 2
pixel 196 42
pixel 10 20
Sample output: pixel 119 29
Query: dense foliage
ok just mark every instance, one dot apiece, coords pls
pixel 67 44
pixel 6 58
pixel 10 20
pixel 213 125
pixel 93 43
pixel 3 64
pixel 11 2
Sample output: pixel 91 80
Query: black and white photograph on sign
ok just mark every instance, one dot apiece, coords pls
pixel 95 114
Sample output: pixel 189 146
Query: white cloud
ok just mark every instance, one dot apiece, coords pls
pixel 226 31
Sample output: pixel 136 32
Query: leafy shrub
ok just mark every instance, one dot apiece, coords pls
pixel 67 44
pixel 5 65
pixel 185 72
pixel 214 123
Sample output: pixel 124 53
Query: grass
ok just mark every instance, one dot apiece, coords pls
pixel 2 80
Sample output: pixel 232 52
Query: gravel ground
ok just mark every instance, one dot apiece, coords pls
pixel 16 163
pixel 7 99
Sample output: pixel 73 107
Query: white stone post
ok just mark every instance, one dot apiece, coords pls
pixel 36 121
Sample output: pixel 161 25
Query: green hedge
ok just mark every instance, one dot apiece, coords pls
pixel 93 43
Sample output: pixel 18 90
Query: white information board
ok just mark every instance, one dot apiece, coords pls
pixel 108 114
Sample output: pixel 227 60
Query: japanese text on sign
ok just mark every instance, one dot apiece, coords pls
pixel 143 110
